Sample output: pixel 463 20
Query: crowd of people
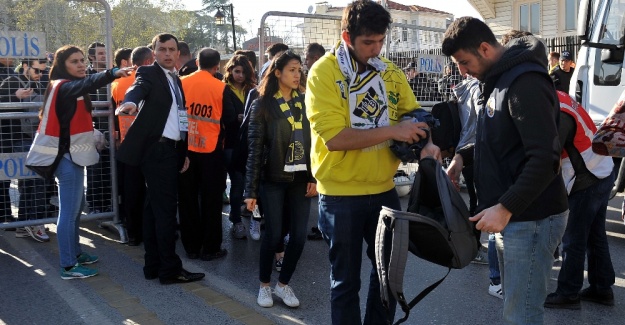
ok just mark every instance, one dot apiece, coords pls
pixel 283 136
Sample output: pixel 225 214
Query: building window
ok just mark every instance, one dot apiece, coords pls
pixel 415 32
pixel 529 17
pixel 570 14
pixel 404 32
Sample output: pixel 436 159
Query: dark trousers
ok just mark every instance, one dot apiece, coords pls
pixel 5 201
pixel 160 169
pixel 585 237
pixel 275 195
pixel 132 193
pixel 201 188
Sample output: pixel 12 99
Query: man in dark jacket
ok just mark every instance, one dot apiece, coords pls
pixel 562 74
pixel 521 194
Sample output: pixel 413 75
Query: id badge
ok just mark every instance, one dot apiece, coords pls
pixel 183 122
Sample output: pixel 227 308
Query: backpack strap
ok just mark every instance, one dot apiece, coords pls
pixel 379 256
pixel 419 297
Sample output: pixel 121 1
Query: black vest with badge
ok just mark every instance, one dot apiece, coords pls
pixel 499 158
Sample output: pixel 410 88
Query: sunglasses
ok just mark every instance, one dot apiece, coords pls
pixel 37 70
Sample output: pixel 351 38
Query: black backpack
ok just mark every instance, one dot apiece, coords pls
pixel 436 228
pixel 447 135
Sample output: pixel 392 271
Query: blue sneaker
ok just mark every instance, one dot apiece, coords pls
pixel 85 259
pixel 78 272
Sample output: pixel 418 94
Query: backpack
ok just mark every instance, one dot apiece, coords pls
pixel 436 228
pixel 447 135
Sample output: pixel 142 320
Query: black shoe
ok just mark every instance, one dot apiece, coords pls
pixel 183 276
pixel 193 256
pixel 315 234
pixel 592 295
pixel 133 242
pixel 213 256
pixel 558 301
pixel 150 276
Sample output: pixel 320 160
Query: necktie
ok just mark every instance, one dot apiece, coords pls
pixel 183 135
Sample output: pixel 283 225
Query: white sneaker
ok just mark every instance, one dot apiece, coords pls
pixel 286 294
pixel 38 233
pixel 254 229
pixel 21 233
pixel 495 290
pixel 264 297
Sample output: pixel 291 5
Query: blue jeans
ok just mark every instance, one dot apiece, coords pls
pixel 344 222
pixel 276 195
pixel 585 236
pixel 493 261
pixel 70 178
pixel 526 257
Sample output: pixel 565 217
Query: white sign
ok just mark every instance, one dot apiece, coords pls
pixel 14 44
pixel 12 166
pixel 431 63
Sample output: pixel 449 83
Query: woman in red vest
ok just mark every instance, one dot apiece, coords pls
pixel 64 145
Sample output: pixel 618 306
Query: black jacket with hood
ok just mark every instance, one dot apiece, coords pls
pixel 517 152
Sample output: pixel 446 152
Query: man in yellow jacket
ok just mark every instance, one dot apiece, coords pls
pixel 208 109
pixel 354 99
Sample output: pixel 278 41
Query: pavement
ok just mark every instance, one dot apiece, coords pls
pixel 34 293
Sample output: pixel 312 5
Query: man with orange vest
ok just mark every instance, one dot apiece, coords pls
pixel 588 178
pixel 209 108
pixel 131 182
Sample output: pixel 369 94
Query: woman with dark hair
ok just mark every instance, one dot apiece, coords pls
pixel 240 79
pixel 278 169
pixel 64 145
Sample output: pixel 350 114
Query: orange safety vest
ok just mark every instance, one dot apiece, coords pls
pixel 118 91
pixel 204 97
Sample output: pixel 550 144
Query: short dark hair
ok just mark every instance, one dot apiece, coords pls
pixel 184 48
pixel 315 49
pixel 555 55
pixel 162 38
pixel 467 33
pixel 208 58
pixel 512 34
pixel 249 54
pixel 274 49
pixel 92 46
pixel 365 17
pixel 122 54
pixel 30 61
pixel 140 54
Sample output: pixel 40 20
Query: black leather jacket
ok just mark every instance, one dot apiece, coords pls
pixel 268 140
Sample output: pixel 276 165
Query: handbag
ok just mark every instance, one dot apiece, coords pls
pixel 609 140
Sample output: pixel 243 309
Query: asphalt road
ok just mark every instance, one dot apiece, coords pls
pixel 34 293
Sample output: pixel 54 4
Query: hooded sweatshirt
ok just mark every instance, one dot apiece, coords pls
pixel 468 93
pixel 517 150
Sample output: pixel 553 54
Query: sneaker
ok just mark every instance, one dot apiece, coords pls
pixel 286 239
pixel 84 259
pixel 238 231
pixel 555 300
pixel 38 233
pixel 78 272
pixel 482 256
pixel 21 233
pixel 254 229
pixel 286 294
pixel 495 290
pixel 264 297
pixel 279 264
pixel 592 295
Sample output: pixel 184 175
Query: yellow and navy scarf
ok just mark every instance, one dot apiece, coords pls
pixel 367 93
pixel 295 159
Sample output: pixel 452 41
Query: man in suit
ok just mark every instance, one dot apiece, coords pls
pixel 157 143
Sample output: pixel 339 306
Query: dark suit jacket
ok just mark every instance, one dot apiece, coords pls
pixel 152 87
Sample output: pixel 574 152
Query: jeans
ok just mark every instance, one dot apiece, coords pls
pixel 237 186
pixel 70 178
pixel 525 258
pixel 275 195
pixel 585 236
pixel 493 261
pixel 344 222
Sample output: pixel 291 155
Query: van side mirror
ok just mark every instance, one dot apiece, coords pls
pixel 612 56
pixel 583 19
